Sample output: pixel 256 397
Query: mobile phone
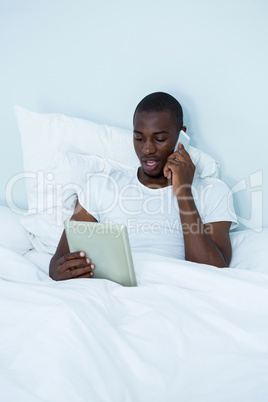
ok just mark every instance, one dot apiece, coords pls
pixel 184 139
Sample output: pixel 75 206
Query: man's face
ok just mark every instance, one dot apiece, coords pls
pixel 155 137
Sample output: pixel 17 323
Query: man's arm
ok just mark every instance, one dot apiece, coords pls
pixel 63 264
pixel 206 244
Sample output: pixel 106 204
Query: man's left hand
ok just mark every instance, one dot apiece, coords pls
pixel 180 167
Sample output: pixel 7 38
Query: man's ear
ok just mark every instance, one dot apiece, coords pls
pixel 184 128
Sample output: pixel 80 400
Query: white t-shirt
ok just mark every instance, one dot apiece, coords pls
pixel 152 215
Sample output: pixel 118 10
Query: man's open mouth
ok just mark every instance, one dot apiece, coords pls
pixel 150 165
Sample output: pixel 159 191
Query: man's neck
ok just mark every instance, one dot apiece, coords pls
pixel 153 182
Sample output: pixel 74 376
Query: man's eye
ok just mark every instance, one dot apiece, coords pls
pixel 138 138
pixel 160 139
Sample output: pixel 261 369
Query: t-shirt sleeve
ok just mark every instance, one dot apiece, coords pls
pixel 88 196
pixel 98 196
pixel 218 203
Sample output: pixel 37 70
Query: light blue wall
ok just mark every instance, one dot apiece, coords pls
pixel 96 60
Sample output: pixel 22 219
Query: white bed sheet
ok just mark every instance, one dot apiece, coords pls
pixel 188 332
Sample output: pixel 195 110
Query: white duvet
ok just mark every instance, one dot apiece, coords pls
pixel 188 332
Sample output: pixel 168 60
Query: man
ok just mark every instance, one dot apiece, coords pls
pixel 167 208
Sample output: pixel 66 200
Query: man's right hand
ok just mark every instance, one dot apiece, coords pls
pixel 66 267
pixel 63 264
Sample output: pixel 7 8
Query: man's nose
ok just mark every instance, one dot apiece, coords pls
pixel 148 147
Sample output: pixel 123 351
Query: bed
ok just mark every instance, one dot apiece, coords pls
pixel 189 332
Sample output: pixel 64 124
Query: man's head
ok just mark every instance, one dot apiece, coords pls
pixel 157 121
pixel 162 102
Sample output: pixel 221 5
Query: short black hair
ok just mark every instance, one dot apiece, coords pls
pixel 162 102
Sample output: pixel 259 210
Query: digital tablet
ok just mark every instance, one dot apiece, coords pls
pixel 107 246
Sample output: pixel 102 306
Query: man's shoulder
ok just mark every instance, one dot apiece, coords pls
pixel 211 182
pixel 210 187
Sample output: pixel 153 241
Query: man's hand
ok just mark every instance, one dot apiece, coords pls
pixel 67 267
pixel 205 244
pixel 180 167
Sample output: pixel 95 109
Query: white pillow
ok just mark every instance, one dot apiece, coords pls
pixel 249 250
pixel 42 135
pixel 54 200
pixel 13 235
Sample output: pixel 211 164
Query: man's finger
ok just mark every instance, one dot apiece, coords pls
pixel 76 254
pixel 86 271
pixel 183 151
pixel 177 155
pixel 71 256
pixel 88 275
pixel 70 264
pixel 168 168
